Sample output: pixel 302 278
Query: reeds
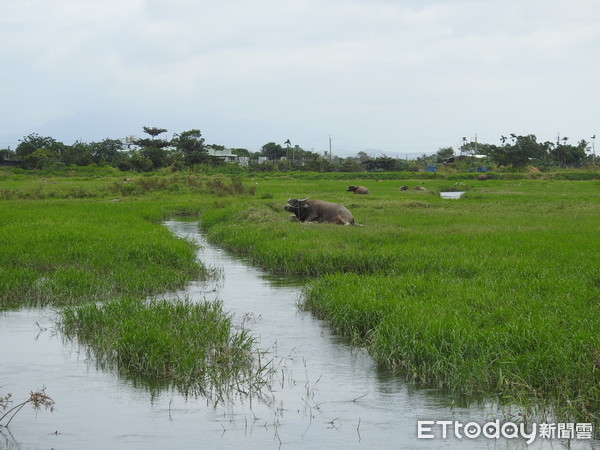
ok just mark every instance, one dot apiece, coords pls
pixel 36 399
pixel 189 346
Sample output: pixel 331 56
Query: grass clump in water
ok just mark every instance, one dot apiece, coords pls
pixel 189 346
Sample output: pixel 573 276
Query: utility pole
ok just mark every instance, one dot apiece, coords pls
pixel 593 150
pixel 329 147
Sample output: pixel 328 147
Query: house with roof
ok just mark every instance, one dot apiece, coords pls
pixel 222 153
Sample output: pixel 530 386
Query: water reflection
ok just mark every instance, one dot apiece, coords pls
pixel 453 195
pixel 324 394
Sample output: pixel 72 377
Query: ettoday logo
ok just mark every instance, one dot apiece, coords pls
pixel 430 429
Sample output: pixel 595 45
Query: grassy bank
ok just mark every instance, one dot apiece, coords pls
pixel 75 239
pixel 103 251
pixel 512 340
pixel 37 187
pixel 66 252
pixel 496 294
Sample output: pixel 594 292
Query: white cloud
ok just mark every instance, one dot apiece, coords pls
pixel 405 74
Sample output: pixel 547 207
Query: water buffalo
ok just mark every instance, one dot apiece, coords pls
pixel 358 189
pixel 306 210
pixel 483 177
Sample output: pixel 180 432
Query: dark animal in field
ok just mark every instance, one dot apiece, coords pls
pixel 483 177
pixel 306 210
pixel 419 188
pixel 358 189
pixel 404 188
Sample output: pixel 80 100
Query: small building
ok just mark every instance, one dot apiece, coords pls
pixel 224 154
pixel 128 143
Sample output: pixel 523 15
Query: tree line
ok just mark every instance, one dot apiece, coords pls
pixel 145 154
pixel 188 149
pixel 519 151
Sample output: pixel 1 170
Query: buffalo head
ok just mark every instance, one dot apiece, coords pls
pixel 295 205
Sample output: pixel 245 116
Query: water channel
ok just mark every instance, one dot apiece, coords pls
pixel 325 395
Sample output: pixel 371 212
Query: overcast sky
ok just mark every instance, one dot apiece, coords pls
pixel 383 76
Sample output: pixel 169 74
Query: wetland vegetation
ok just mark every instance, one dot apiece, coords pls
pixel 495 295
pixel 169 343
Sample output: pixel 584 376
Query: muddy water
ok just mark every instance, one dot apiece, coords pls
pixel 324 395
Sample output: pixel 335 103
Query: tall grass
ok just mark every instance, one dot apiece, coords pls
pixel 97 245
pixel 189 346
pixel 65 252
pixel 61 187
pixel 496 294
pixel 474 336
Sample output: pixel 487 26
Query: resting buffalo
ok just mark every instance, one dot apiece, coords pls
pixel 483 176
pixel 306 210
pixel 358 189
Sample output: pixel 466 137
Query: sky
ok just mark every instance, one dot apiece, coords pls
pixel 398 78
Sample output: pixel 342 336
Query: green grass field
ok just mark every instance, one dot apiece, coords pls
pixel 495 295
pixel 97 255
pixel 70 251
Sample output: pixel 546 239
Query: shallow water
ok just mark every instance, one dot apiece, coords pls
pixel 453 195
pixel 325 393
